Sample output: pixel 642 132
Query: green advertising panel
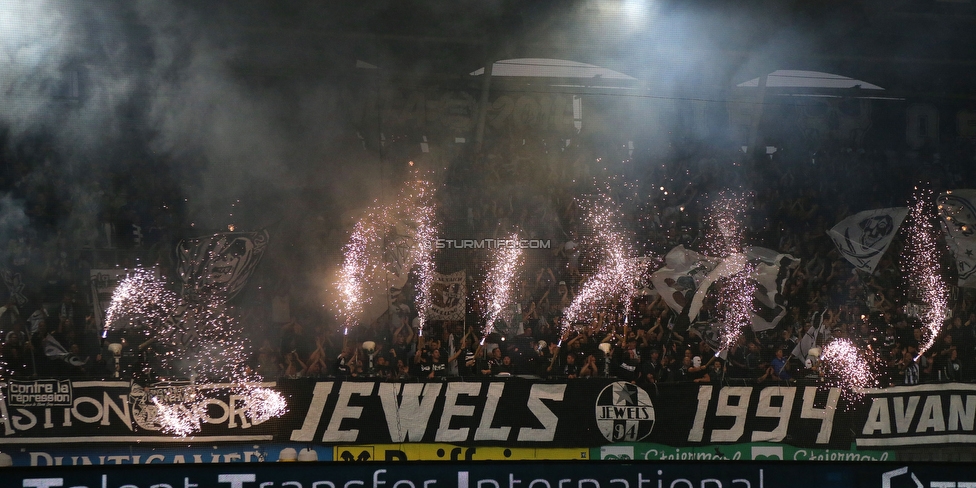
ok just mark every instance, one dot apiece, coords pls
pixel 760 451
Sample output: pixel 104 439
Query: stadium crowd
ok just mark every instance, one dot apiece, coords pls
pixel 795 198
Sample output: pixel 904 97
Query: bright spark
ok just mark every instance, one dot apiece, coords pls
pixel 363 255
pixel 196 337
pixel 735 298
pixel 846 367
pixel 618 272
pixel 922 265
pixel 499 285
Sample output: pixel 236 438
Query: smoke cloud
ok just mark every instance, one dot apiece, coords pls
pixel 249 114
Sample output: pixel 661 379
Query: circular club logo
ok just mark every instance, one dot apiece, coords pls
pixel 624 412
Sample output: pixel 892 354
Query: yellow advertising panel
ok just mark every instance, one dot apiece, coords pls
pixel 450 452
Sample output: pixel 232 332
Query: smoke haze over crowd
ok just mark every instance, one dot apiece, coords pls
pixel 253 114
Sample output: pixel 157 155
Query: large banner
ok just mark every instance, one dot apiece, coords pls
pixel 186 453
pixel 60 411
pixel 511 413
pixel 453 452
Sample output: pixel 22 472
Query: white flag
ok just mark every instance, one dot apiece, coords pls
pixel 683 270
pixel 52 348
pixel 863 237
pixel 447 297
pixel 809 339
pixel 730 266
pixel 957 211
pixel 769 273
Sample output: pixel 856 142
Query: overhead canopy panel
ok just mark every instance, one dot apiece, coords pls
pixel 551 68
pixel 809 79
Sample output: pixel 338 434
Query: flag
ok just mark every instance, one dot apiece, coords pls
pixel 769 272
pixel 36 319
pixel 957 212
pixel 809 339
pixel 730 266
pixel 54 350
pixel 15 285
pixel 394 251
pixel 863 237
pixel 711 335
pixel 221 262
pixel 399 240
pixel 448 294
pixel 683 270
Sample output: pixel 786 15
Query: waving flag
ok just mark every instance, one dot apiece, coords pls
pixel 54 350
pixel 15 285
pixel 809 339
pixel 863 237
pixel 687 276
pixel 683 271
pixel 957 211
pixel 221 262
pixel 769 273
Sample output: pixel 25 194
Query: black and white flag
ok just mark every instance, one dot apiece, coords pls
pixel 863 237
pixel 447 297
pixel 768 272
pixel 54 350
pixel 15 285
pixel 221 262
pixel 683 271
pixel 809 339
pixel 957 211
pixel 687 276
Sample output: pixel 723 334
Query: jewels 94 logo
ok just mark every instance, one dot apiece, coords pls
pixel 624 412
